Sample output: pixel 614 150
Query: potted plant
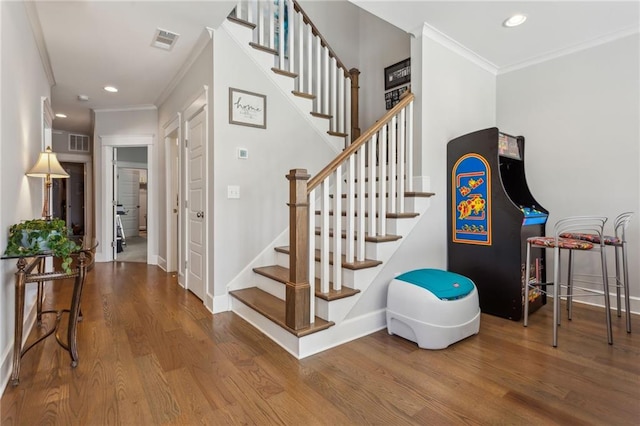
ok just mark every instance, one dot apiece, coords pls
pixel 38 236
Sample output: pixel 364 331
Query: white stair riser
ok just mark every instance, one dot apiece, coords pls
pixel 390 223
pixel 334 310
pixel 274 288
pixel 371 250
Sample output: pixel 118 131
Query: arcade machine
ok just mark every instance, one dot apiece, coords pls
pixel 491 215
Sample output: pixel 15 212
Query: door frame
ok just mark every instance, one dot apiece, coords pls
pixel 172 142
pixel 86 160
pixel 106 228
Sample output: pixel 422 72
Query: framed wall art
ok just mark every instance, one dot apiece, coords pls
pixel 247 108
pixel 397 74
pixel 392 97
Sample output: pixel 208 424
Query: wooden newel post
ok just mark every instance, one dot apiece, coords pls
pixel 297 294
pixel 355 114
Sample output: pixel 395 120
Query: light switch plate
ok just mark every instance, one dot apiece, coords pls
pixel 233 191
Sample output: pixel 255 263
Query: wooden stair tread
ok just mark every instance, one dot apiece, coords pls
pixel 356 265
pixel 263 48
pixel 281 274
pixel 419 194
pixel 321 115
pixel 339 134
pixel 242 22
pixel 284 72
pixel 275 309
pixel 369 238
pixel 303 94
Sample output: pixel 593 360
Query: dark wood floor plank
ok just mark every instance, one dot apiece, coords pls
pixel 151 353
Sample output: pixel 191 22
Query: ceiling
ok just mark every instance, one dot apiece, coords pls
pixel 92 44
pixel 551 28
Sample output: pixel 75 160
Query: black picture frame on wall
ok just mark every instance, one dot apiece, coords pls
pixel 397 74
pixel 392 97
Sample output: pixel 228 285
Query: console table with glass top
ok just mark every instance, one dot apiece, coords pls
pixel 31 270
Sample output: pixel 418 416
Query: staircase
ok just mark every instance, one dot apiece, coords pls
pixel 328 285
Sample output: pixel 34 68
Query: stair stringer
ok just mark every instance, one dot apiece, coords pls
pixel 242 36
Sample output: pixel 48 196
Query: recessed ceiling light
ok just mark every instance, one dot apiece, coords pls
pixel 111 89
pixel 83 98
pixel 60 115
pixel 514 21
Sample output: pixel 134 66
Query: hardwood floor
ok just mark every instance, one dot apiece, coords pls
pixel 150 353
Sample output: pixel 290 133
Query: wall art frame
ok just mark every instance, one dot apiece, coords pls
pixel 397 74
pixel 247 108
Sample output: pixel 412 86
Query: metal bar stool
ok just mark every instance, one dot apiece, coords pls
pixel 575 224
pixel 619 244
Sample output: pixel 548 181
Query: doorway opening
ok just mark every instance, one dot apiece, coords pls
pixel 131 204
pixel 68 198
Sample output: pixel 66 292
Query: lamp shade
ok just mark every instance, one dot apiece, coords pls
pixel 47 166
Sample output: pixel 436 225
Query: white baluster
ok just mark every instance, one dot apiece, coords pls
pixel 371 191
pixel 318 74
pixel 350 225
pixel 361 224
pixel 325 80
pixel 391 204
pixel 291 28
pixel 309 67
pixel 324 241
pixel 333 90
pixel 401 160
pixel 409 146
pixel 337 228
pixel 382 172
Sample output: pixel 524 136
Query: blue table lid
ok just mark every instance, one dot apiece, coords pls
pixel 443 284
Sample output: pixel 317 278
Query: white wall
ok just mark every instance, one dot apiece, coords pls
pixel 579 115
pixel 454 96
pixel 380 45
pixel 242 228
pixel 198 75
pixel 23 83
pixel 125 122
pixel 363 41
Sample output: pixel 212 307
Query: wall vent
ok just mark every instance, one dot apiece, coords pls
pixel 78 143
pixel 164 39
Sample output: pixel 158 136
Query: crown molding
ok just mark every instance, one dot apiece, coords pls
pixel 203 40
pixel 436 35
pixel 36 29
pixel 128 108
pixel 572 49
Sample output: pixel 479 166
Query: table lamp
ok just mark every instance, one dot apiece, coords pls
pixel 47 167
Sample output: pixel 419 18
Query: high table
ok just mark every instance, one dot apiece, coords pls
pixel 31 270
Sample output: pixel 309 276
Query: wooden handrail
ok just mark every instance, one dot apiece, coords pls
pixel 331 167
pixel 324 42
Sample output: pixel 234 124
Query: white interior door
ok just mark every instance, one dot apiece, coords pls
pixel 196 247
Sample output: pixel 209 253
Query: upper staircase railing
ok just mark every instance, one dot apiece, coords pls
pixel 350 198
pixel 304 53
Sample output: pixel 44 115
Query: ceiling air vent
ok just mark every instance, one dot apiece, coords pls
pixel 164 39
